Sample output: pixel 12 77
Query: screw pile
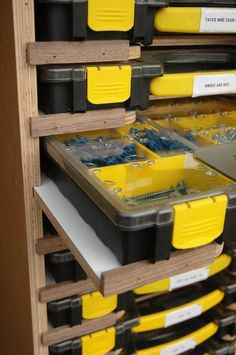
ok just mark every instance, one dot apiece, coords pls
pixel 102 151
pixel 151 139
pixel 179 190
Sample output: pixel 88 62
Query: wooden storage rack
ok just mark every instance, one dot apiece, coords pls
pixel 24 293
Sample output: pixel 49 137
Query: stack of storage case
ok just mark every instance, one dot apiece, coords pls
pixel 164 318
pixel 155 327
pixel 136 20
pixel 154 186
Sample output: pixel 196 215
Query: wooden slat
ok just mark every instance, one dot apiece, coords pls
pixel 47 245
pixel 190 40
pixel 65 289
pixel 46 125
pixel 81 52
pixel 59 334
pixel 138 274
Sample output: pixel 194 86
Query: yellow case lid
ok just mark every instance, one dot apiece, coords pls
pixel 193 339
pixel 219 264
pixel 180 84
pixel 178 19
pixel 179 314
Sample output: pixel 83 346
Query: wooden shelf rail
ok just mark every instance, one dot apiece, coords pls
pixel 66 332
pixel 194 40
pixel 46 125
pixel 65 289
pixel 39 53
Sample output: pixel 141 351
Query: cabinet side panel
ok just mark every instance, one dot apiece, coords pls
pixel 21 271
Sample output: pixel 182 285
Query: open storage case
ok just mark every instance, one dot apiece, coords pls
pixel 144 200
pixel 136 20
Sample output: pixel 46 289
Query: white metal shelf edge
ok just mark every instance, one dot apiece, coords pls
pixel 98 257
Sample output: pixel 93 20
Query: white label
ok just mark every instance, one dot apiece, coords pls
pixel 218 20
pixel 183 314
pixel 214 84
pixel 179 347
pixel 188 278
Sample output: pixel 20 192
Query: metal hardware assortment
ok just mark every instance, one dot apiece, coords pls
pixel 152 140
pixel 225 133
pixel 180 190
pixel 227 136
pixel 102 151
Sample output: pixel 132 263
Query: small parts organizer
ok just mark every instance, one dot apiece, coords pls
pixel 127 118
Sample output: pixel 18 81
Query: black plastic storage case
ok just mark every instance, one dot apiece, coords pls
pixel 217 322
pixel 117 337
pixel 68 20
pixel 226 283
pixel 78 88
pixel 63 266
pixel 216 347
pixel 230 249
pixel 70 310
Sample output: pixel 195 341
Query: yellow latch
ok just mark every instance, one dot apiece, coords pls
pixel 108 84
pixel 99 343
pixel 111 15
pixel 198 222
pixel 94 305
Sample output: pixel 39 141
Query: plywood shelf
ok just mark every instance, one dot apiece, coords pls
pixel 39 53
pixel 194 40
pixel 46 125
pixel 99 263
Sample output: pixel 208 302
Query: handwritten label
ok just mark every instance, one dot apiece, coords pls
pixel 183 314
pixel 218 20
pixel 179 347
pixel 214 84
pixel 188 278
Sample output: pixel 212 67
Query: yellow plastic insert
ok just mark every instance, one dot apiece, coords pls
pixel 99 343
pixel 203 127
pixel 94 305
pixel 220 263
pixel 199 336
pixel 108 84
pixel 178 19
pixel 158 320
pixel 179 84
pixel 198 222
pixel 111 15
